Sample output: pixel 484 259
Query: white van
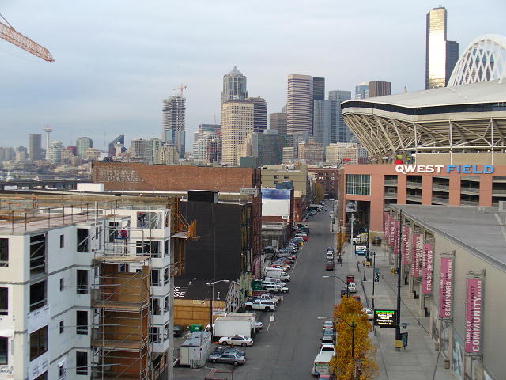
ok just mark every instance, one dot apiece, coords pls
pixel 278 274
pixel 321 365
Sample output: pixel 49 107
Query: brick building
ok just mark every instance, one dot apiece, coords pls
pixel 327 177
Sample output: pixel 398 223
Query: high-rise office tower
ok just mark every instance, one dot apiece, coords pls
pixel 362 90
pixel 267 147
pixel 324 121
pixel 318 88
pixel 174 110
pixel 35 146
pixel 441 55
pixel 278 122
pixel 341 133
pixel 259 113
pixel 55 152
pixel 234 86
pixel 380 88
pixel 299 106
pixel 237 122
pixel 111 148
pixel 82 144
pixel 207 144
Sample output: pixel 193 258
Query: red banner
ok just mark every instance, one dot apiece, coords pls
pixel 427 268
pixel 406 232
pixel 474 302
pixel 446 288
pixel 417 250
pixel 392 236
pixel 386 226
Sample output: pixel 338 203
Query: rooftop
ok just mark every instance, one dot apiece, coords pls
pixel 476 93
pixel 482 230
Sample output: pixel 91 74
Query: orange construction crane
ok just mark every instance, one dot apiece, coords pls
pixel 8 33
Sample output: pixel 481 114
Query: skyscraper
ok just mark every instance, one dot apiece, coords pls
pixel 324 121
pixel 318 88
pixel 380 88
pixel 82 144
pixel 341 133
pixel 440 54
pixel 299 106
pixel 234 86
pixel 207 144
pixel 267 147
pixel 259 113
pixel 362 90
pixel 174 110
pixel 35 146
pixel 278 122
pixel 55 152
pixel 237 122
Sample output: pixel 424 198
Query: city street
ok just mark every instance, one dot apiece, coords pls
pixel 286 347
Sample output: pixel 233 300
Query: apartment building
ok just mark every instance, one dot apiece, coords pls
pixel 85 292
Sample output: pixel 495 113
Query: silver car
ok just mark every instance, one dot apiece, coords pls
pixel 230 357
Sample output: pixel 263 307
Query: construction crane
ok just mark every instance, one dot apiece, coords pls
pixel 181 89
pixel 8 33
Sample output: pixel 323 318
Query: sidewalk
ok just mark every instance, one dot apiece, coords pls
pixel 418 361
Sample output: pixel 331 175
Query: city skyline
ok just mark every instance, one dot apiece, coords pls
pixel 119 96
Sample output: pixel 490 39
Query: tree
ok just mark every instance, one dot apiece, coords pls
pixel 350 320
pixel 319 192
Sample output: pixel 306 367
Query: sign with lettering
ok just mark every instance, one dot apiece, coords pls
pixel 417 250
pixel 465 169
pixel 385 318
pixel 406 230
pixel 428 266
pixel 474 303
pixel 446 287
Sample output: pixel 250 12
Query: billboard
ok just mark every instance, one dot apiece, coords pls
pixel 474 302
pixel 276 202
pixel 385 318
pixel 446 287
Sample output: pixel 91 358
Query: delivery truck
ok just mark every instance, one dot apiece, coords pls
pixel 235 324
pixel 321 365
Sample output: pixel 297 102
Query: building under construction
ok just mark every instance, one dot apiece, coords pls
pixel 100 285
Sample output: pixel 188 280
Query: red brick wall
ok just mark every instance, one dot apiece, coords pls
pixel 122 176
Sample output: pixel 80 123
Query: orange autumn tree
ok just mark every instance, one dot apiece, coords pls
pixel 347 314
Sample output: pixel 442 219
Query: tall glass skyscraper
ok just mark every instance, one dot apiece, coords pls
pixel 174 110
pixel 299 105
pixel 234 86
pixel 341 132
pixel 441 55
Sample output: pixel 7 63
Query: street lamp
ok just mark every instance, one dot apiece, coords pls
pixel 373 276
pixel 211 306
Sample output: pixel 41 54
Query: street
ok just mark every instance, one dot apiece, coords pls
pixel 287 346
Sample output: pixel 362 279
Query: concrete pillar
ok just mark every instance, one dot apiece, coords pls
pixel 486 184
pixel 454 189
pixel 401 189
pixel 427 190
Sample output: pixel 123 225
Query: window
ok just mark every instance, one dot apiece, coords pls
pixel 61 285
pixel 37 254
pixel 60 326
pixel 82 281
pixel 154 335
pixel 166 331
pixel 4 252
pixel 166 276
pixel 122 268
pixel 155 277
pixel 62 241
pixel 167 245
pixel 4 301
pixel 113 231
pixel 38 295
pixel 82 240
pixel 357 184
pixel 81 363
pixel 148 247
pixel 148 220
pixel 38 343
pixel 82 322
pixel 167 304
pixel 4 350
pixel 155 306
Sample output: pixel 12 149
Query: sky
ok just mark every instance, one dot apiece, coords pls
pixel 116 60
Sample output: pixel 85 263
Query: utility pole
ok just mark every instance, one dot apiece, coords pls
pixel 373 277
pixel 398 342
pixel 352 221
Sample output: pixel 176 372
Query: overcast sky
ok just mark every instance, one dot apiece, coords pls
pixel 117 59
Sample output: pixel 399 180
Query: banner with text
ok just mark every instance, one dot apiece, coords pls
pixel 446 287
pixel 417 248
pixel 474 303
pixel 427 268
pixel 406 233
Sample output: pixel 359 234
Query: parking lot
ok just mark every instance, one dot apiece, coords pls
pixel 290 338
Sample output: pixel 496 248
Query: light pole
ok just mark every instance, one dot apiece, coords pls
pixel 373 276
pixel 211 305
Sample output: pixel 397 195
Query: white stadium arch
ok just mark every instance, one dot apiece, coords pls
pixel 483 60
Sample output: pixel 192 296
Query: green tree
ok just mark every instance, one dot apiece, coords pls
pixel 354 350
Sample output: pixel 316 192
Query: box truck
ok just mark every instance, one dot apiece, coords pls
pixel 235 324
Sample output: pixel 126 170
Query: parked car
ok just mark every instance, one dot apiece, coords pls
pixel 330 249
pixel 258 325
pixel 329 265
pixel 260 304
pixel 361 250
pixel 228 357
pixel 329 255
pixel 221 349
pixel 236 340
pixel 352 287
pixel 276 288
pixel 369 312
pixel 328 325
pixel 328 336
pixel 328 347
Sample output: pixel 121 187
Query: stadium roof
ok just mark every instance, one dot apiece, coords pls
pixel 476 93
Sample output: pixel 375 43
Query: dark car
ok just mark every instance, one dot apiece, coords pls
pixel 178 331
pixel 221 349
pixel 230 357
pixel 329 265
